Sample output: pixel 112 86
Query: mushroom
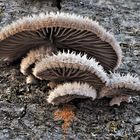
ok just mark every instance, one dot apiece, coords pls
pixel 62 31
pixel 32 57
pixel 121 88
pixel 66 92
pixel 69 67
pixel 29 61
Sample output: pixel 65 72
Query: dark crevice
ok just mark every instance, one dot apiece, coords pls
pixel 58 4
pixel 23 113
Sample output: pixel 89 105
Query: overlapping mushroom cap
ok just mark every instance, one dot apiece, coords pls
pixel 69 67
pixel 64 31
pixel 68 50
pixel 121 88
pixel 69 91
pixel 32 57
pixel 122 85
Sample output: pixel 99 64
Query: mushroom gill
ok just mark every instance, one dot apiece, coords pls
pixel 63 31
pixel 69 67
pixel 121 88
pixel 66 92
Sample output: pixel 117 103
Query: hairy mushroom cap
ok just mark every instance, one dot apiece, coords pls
pixel 69 91
pixel 32 57
pixel 68 67
pixel 65 31
pixel 121 85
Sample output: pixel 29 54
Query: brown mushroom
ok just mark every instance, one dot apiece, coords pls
pixel 121 88
pixel 70 67
pixel 63 31
pixel 66 92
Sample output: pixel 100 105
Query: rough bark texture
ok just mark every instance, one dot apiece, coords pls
pixel 24 112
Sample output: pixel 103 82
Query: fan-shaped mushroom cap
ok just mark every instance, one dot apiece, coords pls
pixel 121 85
pixel 65 31
pixel 69 91
pixel 68 67
pixel 32 57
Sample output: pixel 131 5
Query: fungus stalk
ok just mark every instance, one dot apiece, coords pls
pixel 120 98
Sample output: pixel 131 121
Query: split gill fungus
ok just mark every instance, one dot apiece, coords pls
pixel 121 88
pixel 72 52
pixel 70 67
pixel 66 92
pixel 63 31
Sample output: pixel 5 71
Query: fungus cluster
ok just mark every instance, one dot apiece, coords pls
pixel 74 53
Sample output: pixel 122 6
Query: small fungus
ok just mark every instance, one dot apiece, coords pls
pixel 121 88
pixel 66 92
pixel 70 67
pixel 29 61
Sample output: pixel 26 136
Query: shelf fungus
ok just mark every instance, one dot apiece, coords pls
pixel 121 88
pixel 33 57
pixel 70 67
pixel 62 31
pixel 68 91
